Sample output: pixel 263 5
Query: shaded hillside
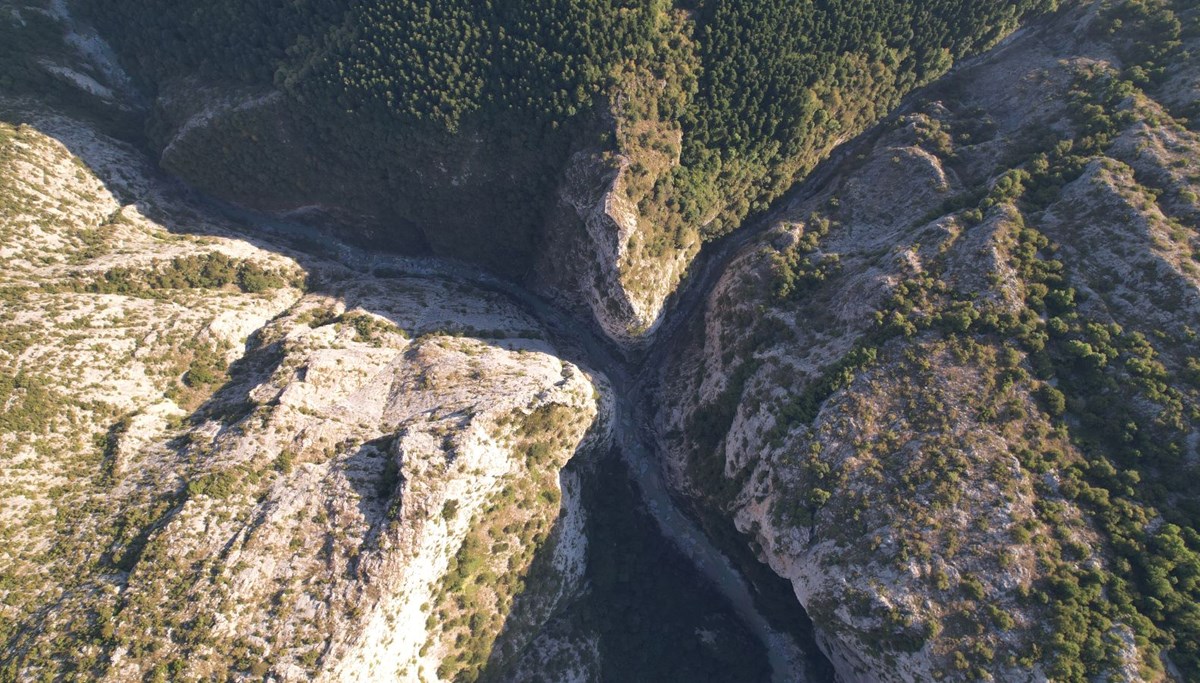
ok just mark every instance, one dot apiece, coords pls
pixel 456 127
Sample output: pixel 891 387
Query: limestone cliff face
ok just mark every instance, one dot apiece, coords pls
pixel 226 457
pixel 875 394
pixel 622 289
pixel 392 451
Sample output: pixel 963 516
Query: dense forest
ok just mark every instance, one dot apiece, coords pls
pixel 425 64
pixel 780 78
pixel 771 84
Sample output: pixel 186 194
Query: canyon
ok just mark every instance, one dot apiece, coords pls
pixel 921 417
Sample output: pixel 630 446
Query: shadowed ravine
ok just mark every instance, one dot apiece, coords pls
pixel 635 375
pixel 628 378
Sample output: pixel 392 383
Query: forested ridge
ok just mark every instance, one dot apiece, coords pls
pixel 776 75
pixel 769 87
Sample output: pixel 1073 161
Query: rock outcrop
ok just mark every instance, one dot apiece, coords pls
pixel 886 391
pixel 616 285
pixel 309 462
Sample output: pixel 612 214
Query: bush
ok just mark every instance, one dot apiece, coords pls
pixel 214 484
pixel 1053 400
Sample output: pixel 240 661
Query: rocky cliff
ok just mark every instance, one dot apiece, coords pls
pixel 233 446
pixel 946 393
pixel 308 463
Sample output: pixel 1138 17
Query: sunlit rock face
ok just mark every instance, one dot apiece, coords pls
pixel 329 474
pixel 923 391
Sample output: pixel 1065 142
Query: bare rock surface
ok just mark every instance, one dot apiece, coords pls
pixel 874 393
pixel 307 461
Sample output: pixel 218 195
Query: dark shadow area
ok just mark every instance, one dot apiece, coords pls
pixel 773 594
pixel 649 614
pixel 646 591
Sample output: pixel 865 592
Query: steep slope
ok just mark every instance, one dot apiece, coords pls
pixel 280 456
pixel 310 466
pixel 588 147
pixel 308 475
pixel 950 393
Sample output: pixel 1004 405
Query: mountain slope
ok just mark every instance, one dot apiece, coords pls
pixel 232 447
pixel 941 399
pixel 950 396
pixel 588 146
pixel 305 474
